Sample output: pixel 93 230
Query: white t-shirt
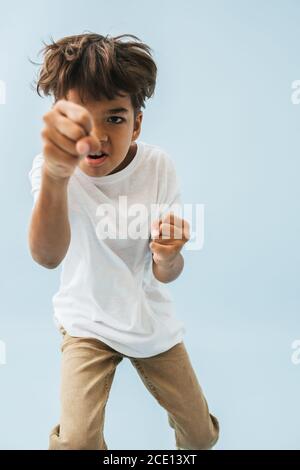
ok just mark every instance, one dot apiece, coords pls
pixel 107 287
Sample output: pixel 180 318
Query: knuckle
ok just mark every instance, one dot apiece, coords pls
pixel 48 148
pixel 44 133
pixel 46 116
pixel 59 103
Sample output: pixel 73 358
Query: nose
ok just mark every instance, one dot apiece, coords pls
pixel 101 136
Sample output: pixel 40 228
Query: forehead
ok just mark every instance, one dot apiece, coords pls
pixel 122 101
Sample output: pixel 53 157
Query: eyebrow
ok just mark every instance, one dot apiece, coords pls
pixel 117 110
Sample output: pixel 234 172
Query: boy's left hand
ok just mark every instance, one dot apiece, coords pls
pixel 168 237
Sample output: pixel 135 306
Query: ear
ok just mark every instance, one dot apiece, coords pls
pixel 137 126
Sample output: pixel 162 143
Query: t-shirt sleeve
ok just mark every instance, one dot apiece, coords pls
pixel 35 176
pixel 170 199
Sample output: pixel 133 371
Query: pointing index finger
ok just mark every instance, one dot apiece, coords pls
pixel 76 113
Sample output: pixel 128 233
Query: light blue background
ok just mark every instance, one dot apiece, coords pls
pixel 222 109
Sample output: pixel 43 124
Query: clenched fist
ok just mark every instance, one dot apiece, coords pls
pixel 66 138
pixel 168 237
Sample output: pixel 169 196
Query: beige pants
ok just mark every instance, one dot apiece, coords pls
pixel 88 368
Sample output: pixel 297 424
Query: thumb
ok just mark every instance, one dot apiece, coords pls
pixel 87 144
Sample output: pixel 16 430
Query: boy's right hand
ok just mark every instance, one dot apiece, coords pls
pixel 66 138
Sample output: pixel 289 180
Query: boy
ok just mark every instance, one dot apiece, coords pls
pixel 111 302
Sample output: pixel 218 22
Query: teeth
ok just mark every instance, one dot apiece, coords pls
pixel 98 154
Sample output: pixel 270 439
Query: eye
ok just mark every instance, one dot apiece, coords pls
pixel 117 117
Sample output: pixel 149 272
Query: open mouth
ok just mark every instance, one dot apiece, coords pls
pixel 96 160
pixel 97 157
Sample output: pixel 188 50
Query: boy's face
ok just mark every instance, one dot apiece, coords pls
pixel 115 129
